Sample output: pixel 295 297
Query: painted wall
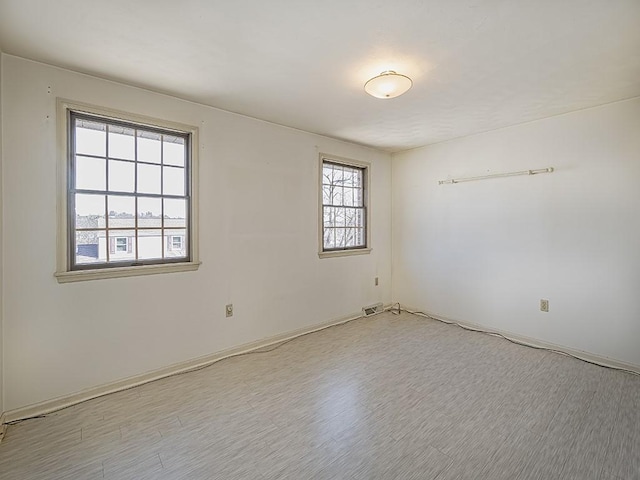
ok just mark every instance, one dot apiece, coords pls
pixel 486 252
pixel 1 255
pixel 258 244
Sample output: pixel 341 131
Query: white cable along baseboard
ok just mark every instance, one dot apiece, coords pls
pixel 53 405
pixel 532 342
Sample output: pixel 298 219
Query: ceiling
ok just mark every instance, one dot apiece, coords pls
pixel 476 65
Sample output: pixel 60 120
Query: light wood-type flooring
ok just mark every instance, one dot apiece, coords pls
pixel 385 397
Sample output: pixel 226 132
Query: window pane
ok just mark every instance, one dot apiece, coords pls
pixel 121 176
pixel 350 237
pixel 90 211
pixel 149 147
pixel 175 213
pixel 329 238
pixel 348 177
pixel 148 178
pixel 175 243
pixel 173 151
pixel 90 247
pixel 357 178
pixel 149 244
pixel 121 211
pixel 172 181
pixel 351 217
pixel 340 217
pixel 338 195
pixel 91 138
pixel 91 173
pixel 326 195
pixel 149 212
pixel 337 175
pixel 358 197
pixel 327 174
pixel 329 216
pixel 122 245
pixel 339 242
pixel 360 218
pixel 122 142
pixel 348 196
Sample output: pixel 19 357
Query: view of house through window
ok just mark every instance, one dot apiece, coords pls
pixel 343 206
pixel 128 196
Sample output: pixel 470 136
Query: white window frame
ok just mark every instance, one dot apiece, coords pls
pixel 64 274
pixel 367 203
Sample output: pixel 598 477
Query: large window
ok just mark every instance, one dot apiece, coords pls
pixel 129 194
pixel 344 192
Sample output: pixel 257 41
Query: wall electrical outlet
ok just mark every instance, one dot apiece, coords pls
pixel 544 305
pixel 228 310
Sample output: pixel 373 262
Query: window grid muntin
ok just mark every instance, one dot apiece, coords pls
pixel 362 207
pixel 72 191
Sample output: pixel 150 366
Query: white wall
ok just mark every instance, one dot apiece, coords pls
pixel 486 252
pixel 258 244
pixel 1 255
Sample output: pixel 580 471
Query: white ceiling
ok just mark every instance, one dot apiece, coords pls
pixel 477 65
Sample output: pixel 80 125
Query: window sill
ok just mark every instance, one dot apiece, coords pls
pixel 344 253
pixel 118 272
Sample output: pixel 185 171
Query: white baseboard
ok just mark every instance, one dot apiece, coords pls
pixel 49 406
pixel 534 342
pixel 3 427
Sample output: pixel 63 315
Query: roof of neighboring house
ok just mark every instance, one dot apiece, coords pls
pixel 94 221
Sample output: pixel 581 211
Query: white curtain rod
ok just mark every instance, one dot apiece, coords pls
pixel 497 175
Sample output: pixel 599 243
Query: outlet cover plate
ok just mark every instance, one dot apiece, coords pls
pixel 544 305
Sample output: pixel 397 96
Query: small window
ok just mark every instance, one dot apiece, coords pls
pixel 121 244
pixel 128 188
pixel 344 215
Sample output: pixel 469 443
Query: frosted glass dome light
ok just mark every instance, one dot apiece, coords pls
pixel 388 84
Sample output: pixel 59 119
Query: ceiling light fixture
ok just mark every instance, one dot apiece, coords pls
pixel 388 84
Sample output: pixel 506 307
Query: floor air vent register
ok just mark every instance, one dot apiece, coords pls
pixel 372 310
